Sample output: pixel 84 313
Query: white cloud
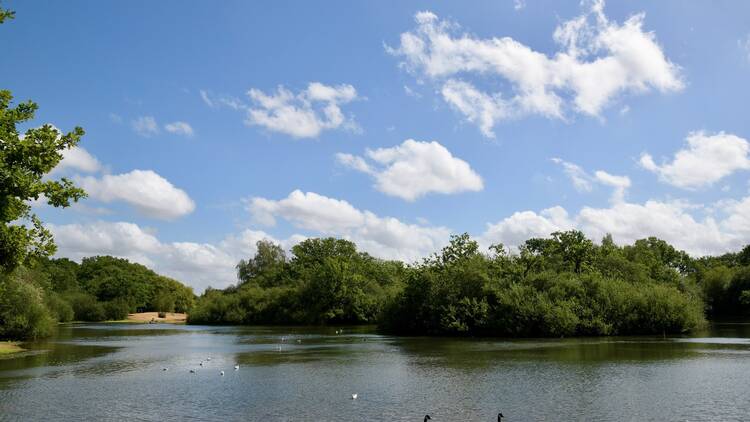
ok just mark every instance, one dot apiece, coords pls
pixel 77 158
pixel 222 101
pixel 145 126
pixel 672 221
pixel 598 60
pixel 583 182
pixel 414 169
pixel 179 128
pixel 619 183
pixel 521 226
pixel 304 115
pixel 197 264
pixel 384 237
pixel 147 191
pixel 704 161
pixel 519 4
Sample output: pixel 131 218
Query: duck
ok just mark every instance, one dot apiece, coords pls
pixel 201 364
pixel 165 369
pixel 236 367
pixel 222 373
pixel 354 396
pixel 192 371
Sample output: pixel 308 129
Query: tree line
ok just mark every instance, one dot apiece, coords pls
pixel 563 285
pixel 41 293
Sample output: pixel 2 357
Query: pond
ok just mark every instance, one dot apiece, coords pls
pixel 112 372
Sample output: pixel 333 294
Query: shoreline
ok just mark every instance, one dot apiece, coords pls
pixel 10 347
pixel 153 317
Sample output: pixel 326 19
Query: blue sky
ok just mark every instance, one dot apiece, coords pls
pixel 213 125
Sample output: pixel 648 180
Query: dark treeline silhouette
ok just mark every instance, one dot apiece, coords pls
pixel 563 285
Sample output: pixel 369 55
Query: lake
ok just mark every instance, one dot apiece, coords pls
pixel 113 372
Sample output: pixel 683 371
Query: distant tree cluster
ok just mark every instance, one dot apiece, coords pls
pixel 45 291
pixel 563 285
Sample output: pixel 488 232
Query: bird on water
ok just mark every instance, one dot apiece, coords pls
pixel 427 418
pixel 500 417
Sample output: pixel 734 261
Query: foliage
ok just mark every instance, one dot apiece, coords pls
pixel 563 285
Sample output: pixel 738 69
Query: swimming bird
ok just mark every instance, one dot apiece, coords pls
pixel 208 359
pixel 201 364
pixel 354 396
pixel 222 373
pixel 165 369
pixel 427 418
pixel 236 367
pixel 192 371
pixel 499 417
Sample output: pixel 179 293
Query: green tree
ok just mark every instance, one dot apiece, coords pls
pixel 265 267
pixel 25 159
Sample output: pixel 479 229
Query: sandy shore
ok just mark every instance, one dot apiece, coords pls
pixel 144 317
pixel 8 347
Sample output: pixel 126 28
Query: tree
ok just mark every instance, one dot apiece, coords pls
pixel 269 259
pixel 25 159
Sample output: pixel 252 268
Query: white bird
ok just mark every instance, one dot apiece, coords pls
pixel 354 396
pixel 236 367
pixel 299 341
pixel 208 359
pixel 222 373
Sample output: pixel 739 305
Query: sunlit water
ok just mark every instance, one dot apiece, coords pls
pixel 103 372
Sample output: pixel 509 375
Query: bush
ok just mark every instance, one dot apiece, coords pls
pixel 60 308
pixel 23 314
pixel 86 308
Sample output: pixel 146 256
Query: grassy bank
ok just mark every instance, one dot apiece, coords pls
pixel 10 347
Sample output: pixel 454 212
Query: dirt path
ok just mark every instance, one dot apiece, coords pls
pixel 171 317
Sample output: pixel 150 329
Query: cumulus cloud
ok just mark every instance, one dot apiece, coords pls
pixel 705 160
pixel 414 169
pixel 724 227
pixel 78 159
pixel 179 128
pixel 305 114
pixel 197 264
pixel 384 237
pixel 145 126
pixel 598 61
pixel 147 191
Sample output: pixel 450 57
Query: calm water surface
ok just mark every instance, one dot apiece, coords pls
pixel 106 372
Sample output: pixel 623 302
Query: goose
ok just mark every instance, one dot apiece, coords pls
pixel 236 367
pixel 354 396
pixel 427 418
pixel 222 373
pixel 499 417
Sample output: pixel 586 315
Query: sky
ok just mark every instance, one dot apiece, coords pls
pixel 212 125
